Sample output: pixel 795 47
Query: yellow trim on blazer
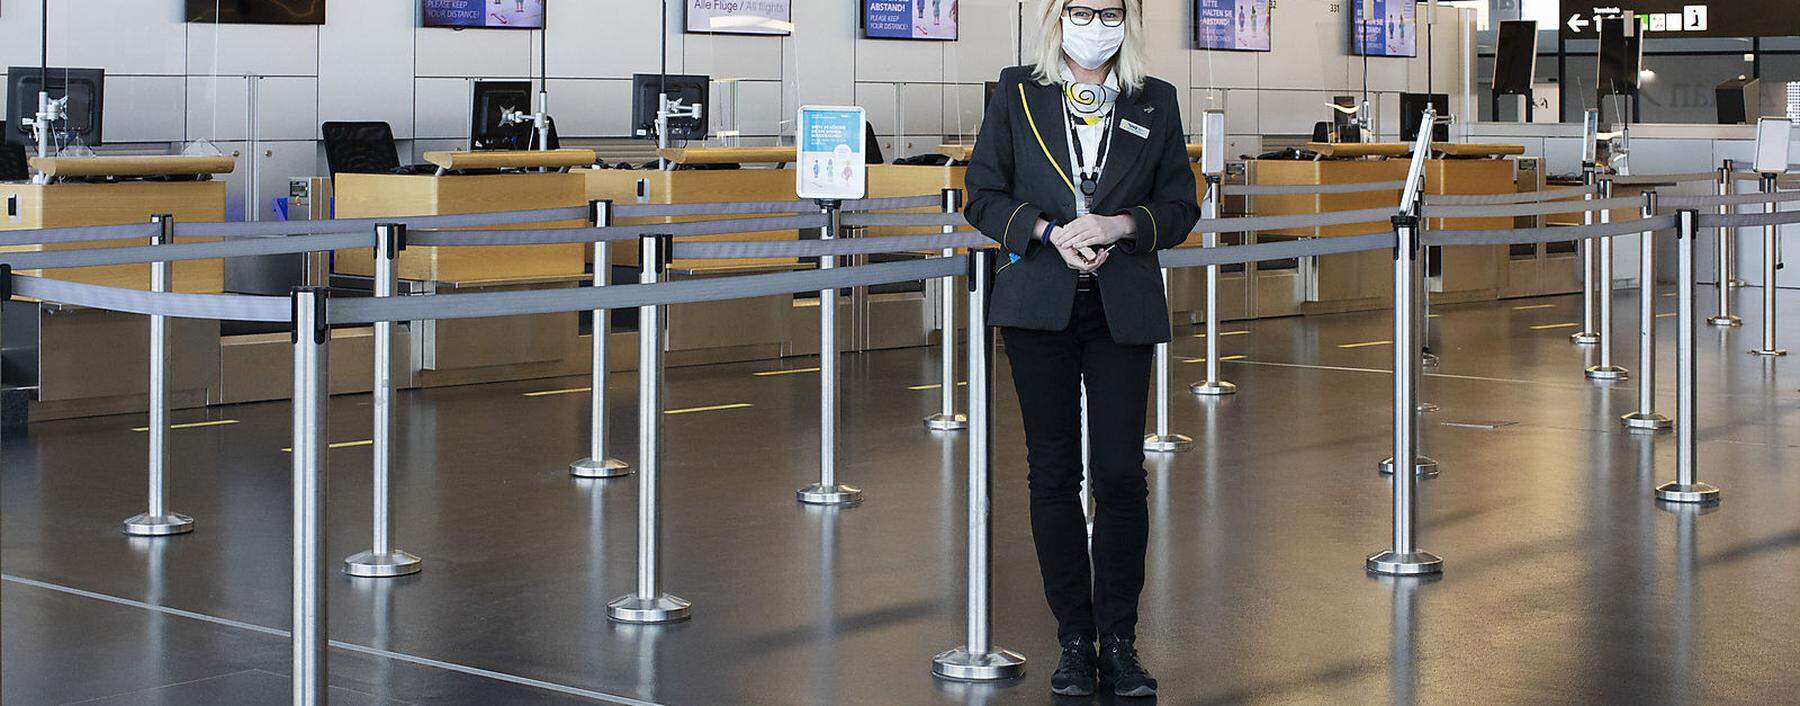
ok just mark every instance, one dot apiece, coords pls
pixel 1155 229
pixel 1040 139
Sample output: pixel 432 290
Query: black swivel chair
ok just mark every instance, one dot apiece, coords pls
pixel 360 148
pixel 13 165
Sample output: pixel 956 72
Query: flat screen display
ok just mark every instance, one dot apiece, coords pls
pixel 270 12
pixel 1384 28
pixel 483 14
pixel 1516 57
pixel 910 19
pixel 1232 25
pixel 772 17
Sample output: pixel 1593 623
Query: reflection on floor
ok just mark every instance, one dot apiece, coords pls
pixel 1565 582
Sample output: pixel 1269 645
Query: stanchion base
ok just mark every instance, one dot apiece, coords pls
pixel 1725 321
pixel 946 422
pixel 1426 467
pixel 665 608
pixel 1776 353
pixel 148 525
pixel 839 494
pixel 369 565
pixel 1429 360
pixel 1173 443
pixel 1216 388
pixel 1640 421
pixel 958 665
pixel 1607 373
pixel 1585 338
pixel 1672 492
pixel 605 468
pixel 1414 564
pixel 1429 408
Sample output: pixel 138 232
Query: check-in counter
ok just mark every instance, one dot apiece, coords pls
pixel 73 361
pixel 466 351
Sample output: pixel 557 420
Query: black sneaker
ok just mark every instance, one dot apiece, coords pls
pixel 1075 671
pixel 1120 668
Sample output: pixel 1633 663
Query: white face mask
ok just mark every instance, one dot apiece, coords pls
pixel 1091 46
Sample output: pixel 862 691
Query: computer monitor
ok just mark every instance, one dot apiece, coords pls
pixel 1621 56
pixel 1412 115
pixel 689 89
pixel 492 99
pixel 86 89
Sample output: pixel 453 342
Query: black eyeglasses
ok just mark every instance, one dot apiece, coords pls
pixel 1084 16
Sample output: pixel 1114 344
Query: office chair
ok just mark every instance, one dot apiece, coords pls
pixel 364 148
pixel 13 164
pixel 874 152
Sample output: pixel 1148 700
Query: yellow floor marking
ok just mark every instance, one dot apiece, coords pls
pixel 340 445
pixel 569 391
pixel 1223 334
pixel 795 371
pixel 1547 327
pixel 192 425
pixel 937 386
pixel 1671 314
pixel 1534 307
pixel 1366 344
pixel 1434 316
pixel 1221 359
pixel 714 408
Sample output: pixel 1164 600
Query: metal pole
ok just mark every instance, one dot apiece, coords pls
pixel 1770 272
pixel 598 464
pixel 1589 260
pixel 1727 252
pixel 649 604
pixel 978 659
pixel 382 560
pixel 1605 370
pixel 1404 557
pixel 1212 386
pixel 311 395
pixel 158 521
pixel 828 491
pixel 1686 487
pixel 1646 418
pixel 1424 466
pixel 1164 441
pixel 947 419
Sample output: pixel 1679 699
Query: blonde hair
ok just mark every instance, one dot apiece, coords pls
pixel 1130 64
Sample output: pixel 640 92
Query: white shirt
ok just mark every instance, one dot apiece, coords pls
pixel 1090 137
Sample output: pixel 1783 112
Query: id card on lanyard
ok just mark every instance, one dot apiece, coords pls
pixel 1087 182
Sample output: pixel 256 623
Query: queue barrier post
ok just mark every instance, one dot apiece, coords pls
pixel 1212 386
pixel 978 660
pixel 311 396
pixel 382 560
pixel 158 520
pixel 1590 259
pixel 598 464
pixel 828 491
pixel 648 604
pixel 1423 466
pixel 1163 440
pixel 947 418
pixel 1404 558
pixel 1771 269
pixel 1727 252
pixel 1605 370
pixel 1646 418
pixel 1686 488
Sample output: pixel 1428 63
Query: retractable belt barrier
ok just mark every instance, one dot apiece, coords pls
pixel 1567 192
pixel 224 307
pixel 1552 234
pixel 1655 179
pixel 556 236
pixel 1530 209
pixel 140 254
pixel 827 248
pixel 79 234
pixel 1310 189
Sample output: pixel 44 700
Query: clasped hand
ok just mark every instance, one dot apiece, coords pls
pixel 1085 243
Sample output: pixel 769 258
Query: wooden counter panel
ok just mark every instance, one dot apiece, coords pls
pixel 67 205
pixel 1469 177
pixel 378 195
pixel 694 186
pixel 1308 173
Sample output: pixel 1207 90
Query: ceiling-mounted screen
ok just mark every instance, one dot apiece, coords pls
pixel 1234 25
pixel 910 19
pixel 772 17
pixel 1384 28
pixel 267 12
pixel 483 14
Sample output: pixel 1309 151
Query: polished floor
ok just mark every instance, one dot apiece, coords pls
pixel 1565 583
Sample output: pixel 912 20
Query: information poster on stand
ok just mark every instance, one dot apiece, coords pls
pixel 773 17
pixel 910 19
pixel 1234 25
pixel 831 153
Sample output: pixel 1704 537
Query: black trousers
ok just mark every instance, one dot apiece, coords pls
pixel 1095 595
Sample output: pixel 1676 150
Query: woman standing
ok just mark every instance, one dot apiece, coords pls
pixel 1081 174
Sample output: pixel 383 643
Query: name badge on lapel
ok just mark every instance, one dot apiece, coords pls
pixel 1142 132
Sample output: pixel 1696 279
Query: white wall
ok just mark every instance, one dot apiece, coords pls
pixel 372 62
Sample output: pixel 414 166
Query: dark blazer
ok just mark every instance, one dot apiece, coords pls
pixel 1012 182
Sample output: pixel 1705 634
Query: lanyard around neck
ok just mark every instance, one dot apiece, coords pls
pixel 1089 183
